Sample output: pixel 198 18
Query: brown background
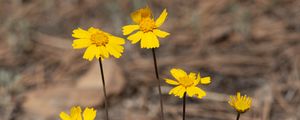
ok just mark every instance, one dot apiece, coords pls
pixel 250 46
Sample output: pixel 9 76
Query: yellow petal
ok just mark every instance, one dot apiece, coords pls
pixel 113 51
pixel 192 75
pixel 181 92
pixel 171 82
pixel 116 40
pixel 197 81
pixel 81 43
pixel 129 29
pixel 101 52
pixel 149 40
pixel 94 30
pixel 64 116
pixel 80 33
pixel 205 80
pixel 178 73
pixel 141 13
pixel 154 42
pixel 196 91
pixel 98 52
pixel 161 19
pixel 89 114
pixel 146 12
pixel 145 40
pixel 118 48
pixel 76 113
pixel 104 52
pixel 175 90
pixel 161 34
pixel 134 38
pixel 241 103
pixel 90 52
pixel 190 92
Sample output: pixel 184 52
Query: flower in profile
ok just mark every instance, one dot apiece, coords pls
pixel 240 103
pixel 187 83
pixel 147 28
pixel 98 43
pixel 88 114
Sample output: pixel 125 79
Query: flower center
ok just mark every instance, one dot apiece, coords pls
pixel 147 24
pixel 186 81
pixel 99 38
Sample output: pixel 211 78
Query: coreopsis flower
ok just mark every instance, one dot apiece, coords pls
pixel 88 114
pixel 147 28
pixel 187 83
pixel 98 43
pixel 240 103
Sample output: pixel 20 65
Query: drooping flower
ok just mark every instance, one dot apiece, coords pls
pixel 240 103
pixel 98 43
pixel 187 83
pixel 147 28
pixel 88 114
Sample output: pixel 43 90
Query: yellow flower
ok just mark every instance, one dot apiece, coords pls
pixel 88 114
pixel 98 43
pixel 240 103
pixel 147 28
pixel 187 83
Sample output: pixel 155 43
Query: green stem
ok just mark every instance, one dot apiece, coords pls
pixel 104 89
pixel 183 106
pixel 238 116
pixel 159 86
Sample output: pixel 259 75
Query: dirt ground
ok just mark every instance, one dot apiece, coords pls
pixel 251 46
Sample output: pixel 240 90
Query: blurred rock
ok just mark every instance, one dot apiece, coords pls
pixel 112 74
pixel 48 102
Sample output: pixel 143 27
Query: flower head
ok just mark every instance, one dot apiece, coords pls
pixel 98 43
pixel 240 103
pixel 88 114
pixel 147 28
pixel 187 83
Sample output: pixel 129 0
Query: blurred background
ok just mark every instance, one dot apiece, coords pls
pixel 250 46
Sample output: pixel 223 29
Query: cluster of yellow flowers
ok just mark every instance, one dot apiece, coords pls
pixel 187 83
pixel 102 45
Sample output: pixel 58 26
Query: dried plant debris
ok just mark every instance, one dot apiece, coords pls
pixel 247 46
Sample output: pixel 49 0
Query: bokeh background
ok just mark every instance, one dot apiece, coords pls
pixel 250 46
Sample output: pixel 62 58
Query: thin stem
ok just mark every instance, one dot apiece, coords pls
pixel 183 108
pixel 238 116
pixel 104 89
pixel 159 88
